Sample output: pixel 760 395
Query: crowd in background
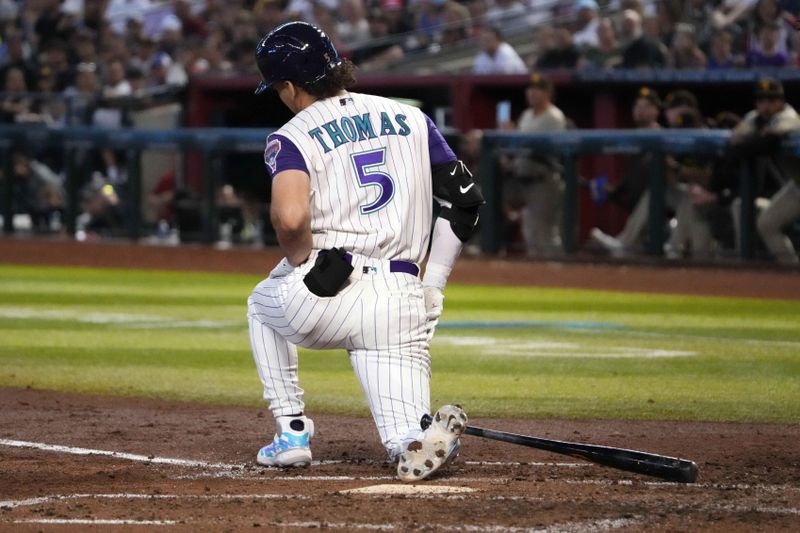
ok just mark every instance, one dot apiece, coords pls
pixel 114 49
pixel 68 62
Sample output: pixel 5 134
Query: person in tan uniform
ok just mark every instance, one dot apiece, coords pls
pixel 759 135
pixel 539 177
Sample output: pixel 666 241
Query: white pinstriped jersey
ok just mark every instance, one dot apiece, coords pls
pixel 369 160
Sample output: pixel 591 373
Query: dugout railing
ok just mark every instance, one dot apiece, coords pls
pixel 211 144
pixel 571 145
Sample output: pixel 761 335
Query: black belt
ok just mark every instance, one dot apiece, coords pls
pixel 406 267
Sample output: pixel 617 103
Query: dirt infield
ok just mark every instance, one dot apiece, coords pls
pixel 748 474
pixel 81 462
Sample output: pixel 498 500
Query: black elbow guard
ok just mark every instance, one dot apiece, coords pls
pixel 453 183
pixel 462 221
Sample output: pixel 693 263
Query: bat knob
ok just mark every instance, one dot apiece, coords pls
pixel 425 422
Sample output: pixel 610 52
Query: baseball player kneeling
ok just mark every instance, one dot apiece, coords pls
pixel 353 182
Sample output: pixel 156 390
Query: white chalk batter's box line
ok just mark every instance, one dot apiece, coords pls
pixel 588 526
pixel 237 470
pixel 602 524
pixel 74 450
pixel 56 498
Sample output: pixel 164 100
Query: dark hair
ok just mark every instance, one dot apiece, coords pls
pixel 680 98
pixel 341 77
pixel 496 31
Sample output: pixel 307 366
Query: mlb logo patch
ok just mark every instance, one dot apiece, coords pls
pixel 271 154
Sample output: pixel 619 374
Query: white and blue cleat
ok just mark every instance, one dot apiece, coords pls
pixel 438 446
pixel 290 447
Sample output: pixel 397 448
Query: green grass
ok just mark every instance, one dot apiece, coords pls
pixel 638 356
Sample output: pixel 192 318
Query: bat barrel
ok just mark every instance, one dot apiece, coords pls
pixel 661 466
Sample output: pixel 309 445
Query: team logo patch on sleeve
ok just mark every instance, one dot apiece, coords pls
pixel 271 154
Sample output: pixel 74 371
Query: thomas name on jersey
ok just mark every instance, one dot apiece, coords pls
pixel 334 134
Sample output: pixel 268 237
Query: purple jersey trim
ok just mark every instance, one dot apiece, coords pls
pixel 282 154
pixel 438 147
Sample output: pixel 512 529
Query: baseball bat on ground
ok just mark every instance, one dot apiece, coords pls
pixel 661 466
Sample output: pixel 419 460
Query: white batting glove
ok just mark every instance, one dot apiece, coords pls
pixel 434 305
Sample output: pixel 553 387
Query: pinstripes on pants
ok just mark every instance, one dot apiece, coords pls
pixel 378 317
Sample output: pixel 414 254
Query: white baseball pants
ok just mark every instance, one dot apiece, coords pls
pixel 378 317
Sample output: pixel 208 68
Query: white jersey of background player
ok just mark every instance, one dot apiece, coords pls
pixel 353 182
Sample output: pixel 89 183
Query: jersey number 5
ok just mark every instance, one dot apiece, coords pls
pixel 365 164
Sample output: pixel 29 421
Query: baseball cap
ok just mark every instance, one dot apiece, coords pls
pixel 537 81
pixel 650 95
pixel 769 88
pixel 391 5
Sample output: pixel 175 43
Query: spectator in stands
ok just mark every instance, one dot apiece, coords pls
pixel 456 26
pixel 759 136
pixel 684 52
pixel 48 105
pixel 192 25
pixel 120 12
pixel 171 33
pixel 538 178
pixel 115 86
pixel 138 82
pixel 115 48
pixel 9 9
pixel 143 51
pixel 608 53
pixel 586 24
pixel 54 56
pixel 506 14
pixel 165 72
pixel 54 21
pixel 84 47
pixel 642 51
pixel 17 55
pixel 16 103
pixel 134 27
pixel 790 13
pixel 477 14
pixel 721 51
pixel 728 13
pixel 661 25
pixel 497 56
pixel 354 27
pixel 400 22
pixel 269 14
pixel 82 96
pixel 430 18
pixel 768 53
pixel 544 40
pixel 564 55
pixel 767 13
pixel 381 50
